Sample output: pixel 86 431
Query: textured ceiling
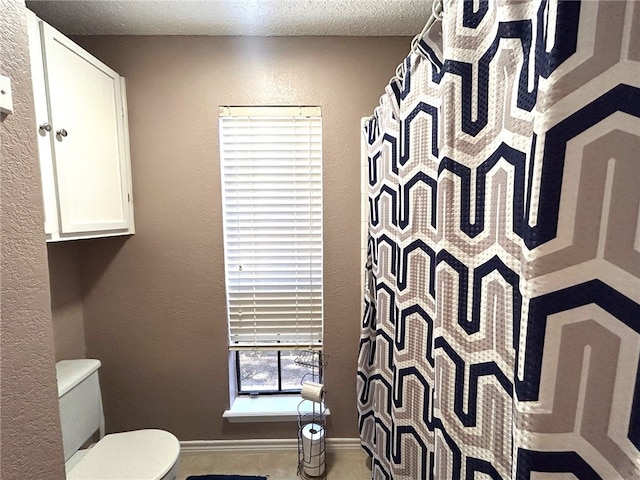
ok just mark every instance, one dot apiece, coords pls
pixel 235 17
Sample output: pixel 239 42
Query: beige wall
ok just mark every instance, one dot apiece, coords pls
pixel 30 439
pixel 154 304
pixel 66 300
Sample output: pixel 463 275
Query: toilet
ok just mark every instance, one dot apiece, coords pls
pixel 138 455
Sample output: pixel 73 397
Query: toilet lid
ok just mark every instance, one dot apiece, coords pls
pixel 137 455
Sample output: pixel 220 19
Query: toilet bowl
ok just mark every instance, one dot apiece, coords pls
pixel 137 455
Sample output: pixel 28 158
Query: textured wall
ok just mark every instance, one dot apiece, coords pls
pixel 154 304
pixel 30 440
pixel 66 300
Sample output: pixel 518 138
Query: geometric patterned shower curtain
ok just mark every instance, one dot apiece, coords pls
pixel 501 335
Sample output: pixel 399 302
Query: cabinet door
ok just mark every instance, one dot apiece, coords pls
pixel 43 126
pixel 87 117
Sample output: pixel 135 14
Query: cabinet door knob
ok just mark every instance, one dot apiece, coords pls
pixel 62 132
pixel 45 126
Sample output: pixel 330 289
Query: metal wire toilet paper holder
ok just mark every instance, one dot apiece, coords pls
pixel 316 363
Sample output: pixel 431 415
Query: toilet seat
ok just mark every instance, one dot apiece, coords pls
pixel 137 455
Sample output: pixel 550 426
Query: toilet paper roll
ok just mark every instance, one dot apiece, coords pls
pixel 313 391
pixel 313 449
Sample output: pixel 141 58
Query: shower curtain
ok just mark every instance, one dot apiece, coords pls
pixel 501 334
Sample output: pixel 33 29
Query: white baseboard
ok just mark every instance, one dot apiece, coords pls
pixel 251 446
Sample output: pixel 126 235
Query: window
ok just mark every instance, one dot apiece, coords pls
pixel 271 168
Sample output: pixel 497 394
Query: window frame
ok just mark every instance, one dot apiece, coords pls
pixel 236 348
pixel 279 390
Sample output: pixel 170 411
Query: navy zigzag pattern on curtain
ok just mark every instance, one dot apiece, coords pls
pixel 501 334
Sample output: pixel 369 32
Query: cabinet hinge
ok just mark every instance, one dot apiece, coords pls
pixel 129 197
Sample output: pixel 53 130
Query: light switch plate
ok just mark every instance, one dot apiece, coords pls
pixel 6 98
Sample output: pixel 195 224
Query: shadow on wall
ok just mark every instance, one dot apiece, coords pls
pixel 69 279
pixel 108 247
pixel 69 282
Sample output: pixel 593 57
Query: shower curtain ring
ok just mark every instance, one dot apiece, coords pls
pixel 437 9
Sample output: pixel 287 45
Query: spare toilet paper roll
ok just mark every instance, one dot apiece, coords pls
pixel 313 449
pixel 313 391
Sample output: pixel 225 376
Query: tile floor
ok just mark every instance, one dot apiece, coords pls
pixel 342 464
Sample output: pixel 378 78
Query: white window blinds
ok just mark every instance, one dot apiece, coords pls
pixel 271 167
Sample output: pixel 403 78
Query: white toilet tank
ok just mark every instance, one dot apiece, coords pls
pixel 148 454
pixel 81 413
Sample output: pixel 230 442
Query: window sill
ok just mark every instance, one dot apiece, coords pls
pixel 270 408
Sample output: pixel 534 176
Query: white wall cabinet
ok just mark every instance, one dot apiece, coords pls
pixel 81 118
